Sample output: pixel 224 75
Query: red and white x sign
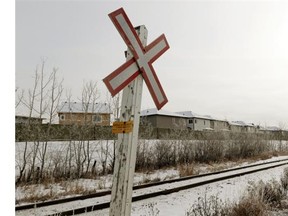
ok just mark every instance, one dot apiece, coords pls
pixel 141 63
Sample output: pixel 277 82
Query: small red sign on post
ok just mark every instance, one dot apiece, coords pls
pixel 140 64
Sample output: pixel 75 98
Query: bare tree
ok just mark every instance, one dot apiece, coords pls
pixel 41 101
pixel 82 147
pixel 30 105
pixel 54 94
pixel 19 97
pixel 114 107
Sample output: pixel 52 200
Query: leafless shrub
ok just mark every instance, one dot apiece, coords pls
pixel 186 152
pixel 247 207
pixel 205 206
pixel 164 154
pixel 260 198
pixel 145 158
pixel 151 209
pixel 284 179
pixel 245 145
pixel 270 193
pixel 210 149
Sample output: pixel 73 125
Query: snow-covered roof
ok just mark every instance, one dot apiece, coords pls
pixel 154 111
pixel 190 114
pixel 272 128
pixel 241 123
pixel 237 123
pixel 75 107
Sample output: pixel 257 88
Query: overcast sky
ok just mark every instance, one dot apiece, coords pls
pixel 228 59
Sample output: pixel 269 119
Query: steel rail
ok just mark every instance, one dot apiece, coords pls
pixel 149 195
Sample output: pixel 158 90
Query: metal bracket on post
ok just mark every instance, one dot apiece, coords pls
pixel 121 195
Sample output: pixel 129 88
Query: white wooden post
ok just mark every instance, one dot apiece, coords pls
pixel 126 147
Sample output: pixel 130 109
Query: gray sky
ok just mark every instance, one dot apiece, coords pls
pixel 228 59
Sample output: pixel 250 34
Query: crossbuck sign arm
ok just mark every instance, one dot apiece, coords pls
pixel 141 63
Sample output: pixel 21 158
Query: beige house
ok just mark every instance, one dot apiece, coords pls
pixel 240 126
pixel 81 114
pixel 236 127
pixel 219 125
pixel 195 121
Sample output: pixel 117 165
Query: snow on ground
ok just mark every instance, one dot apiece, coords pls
pixel 178 203
pixel 99 184
pixel 105 182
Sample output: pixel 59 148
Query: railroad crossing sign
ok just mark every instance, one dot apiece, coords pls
pixel 139 61
pixel 140 64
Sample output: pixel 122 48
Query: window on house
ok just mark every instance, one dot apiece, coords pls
pixel 97 118
pixel 195 121
pixel 204 122
pixel 190 121
pixel 62 117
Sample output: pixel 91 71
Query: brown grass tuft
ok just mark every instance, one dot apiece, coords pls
pixel 247 207
pixel 186 170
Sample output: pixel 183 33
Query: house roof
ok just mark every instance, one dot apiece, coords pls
pixel 74 107
pixel 241 123
pixel 272 128
pixel 190 114
pixel 154 111
pixel 237 123
pixel 182 114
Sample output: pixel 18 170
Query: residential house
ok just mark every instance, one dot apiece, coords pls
pixel 240 126
pixel 236 126
pixel 219 124
pixel 84 113
pixel 163 119
pixel 195 121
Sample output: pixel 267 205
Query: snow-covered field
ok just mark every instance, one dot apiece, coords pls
pixel 174 204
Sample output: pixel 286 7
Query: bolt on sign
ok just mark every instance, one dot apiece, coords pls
pixel 129 78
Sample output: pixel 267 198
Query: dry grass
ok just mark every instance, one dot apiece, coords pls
pixel 259 201
pixel 186 170
pixel 213 206
pixel 270 193
pixel 147 180
pixel 248 207
pixel 284 179
pixel 205 206
pixel 59 190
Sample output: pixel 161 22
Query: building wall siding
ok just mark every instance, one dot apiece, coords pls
pixel 201 124
pixel 83 118
pixel 236 128
pixel 165 122
pixel 220 125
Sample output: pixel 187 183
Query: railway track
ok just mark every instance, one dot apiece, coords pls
pixel 101 200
